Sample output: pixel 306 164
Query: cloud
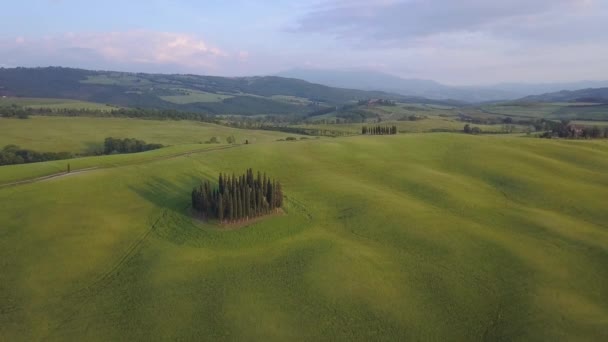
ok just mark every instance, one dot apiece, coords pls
pixel 144 50
pixel 464 41
pixel 394 22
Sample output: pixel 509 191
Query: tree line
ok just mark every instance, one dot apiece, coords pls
pixel 379 130
pixel 127 145
pixel 137 113
pixel 13 154
pixel 565 129
pixel 377 102
pixel 238 198
pixel 471 130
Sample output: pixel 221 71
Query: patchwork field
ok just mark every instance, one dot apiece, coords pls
pixel 191 96
pixel 36 103
pixel 409 237
pixel 566 111
pixel 82 134
pixel 430 124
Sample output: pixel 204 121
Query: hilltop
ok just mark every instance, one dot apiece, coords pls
pixel 591 95
pixel 193 93
pixel 374 80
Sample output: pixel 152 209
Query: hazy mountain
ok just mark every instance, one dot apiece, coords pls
pixel 592 95
pixel 371 80
pixel 229 95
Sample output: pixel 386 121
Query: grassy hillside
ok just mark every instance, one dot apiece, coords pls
pixel 53 103
pixel 554 111
pixel 597 95
pixel 410 237
pixel 429 124
pixel 83 134
pixel 204 94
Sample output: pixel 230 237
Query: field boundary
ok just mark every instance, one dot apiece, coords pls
pixel 111 166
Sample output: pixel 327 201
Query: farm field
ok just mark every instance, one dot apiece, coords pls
pixel 409 237
pixel 430 124
pixel 50 103
pixel 568 111
pixel 192 96
pixel 82 134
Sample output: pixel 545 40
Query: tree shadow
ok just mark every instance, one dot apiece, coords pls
pixel 166 194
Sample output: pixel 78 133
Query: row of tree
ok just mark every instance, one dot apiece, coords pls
pixel 238 198
pixel 127 145
pixel 565 129
pixel 379 130
pixel 13 154
pixel 471 130
pixel 138 113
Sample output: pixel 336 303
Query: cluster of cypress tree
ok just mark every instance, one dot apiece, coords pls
pixel 379 130
pixel 238 198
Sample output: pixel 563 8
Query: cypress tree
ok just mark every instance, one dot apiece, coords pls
pixel 237 197
pixel 239 212
pixel 231 207
pixel 220 208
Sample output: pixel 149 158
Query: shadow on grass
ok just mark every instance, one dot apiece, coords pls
pixel 167 194
pixel 93 148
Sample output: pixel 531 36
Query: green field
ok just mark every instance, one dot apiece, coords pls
pixel 410 237
pixel 82 134
pixel 36 103
pixel 192 96
pixel 430 124
pixel 568 111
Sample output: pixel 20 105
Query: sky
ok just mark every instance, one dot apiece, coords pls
pixel 459 42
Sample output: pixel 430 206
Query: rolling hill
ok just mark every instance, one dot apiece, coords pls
pixel 205 94
pixel 591 95
pixel 372 80
pixel 409 237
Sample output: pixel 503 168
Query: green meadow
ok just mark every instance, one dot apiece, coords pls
pixel 438 236
pixel 192 96
pixel 429 124
pixel 561 111
pixel 82 134
pixel 36 103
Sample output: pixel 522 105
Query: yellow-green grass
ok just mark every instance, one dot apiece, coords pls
pixel 550 110
pixel 429 124
pixel 194 97
pixel 590 123
pixel 409 237
pixel 399 112
pixel 36 103
pixel 82 134
pixel 529 110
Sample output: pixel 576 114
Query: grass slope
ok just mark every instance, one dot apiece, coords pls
pixel 29 102
pixel 554 111
pixel 81 134
pixel 430 124
pixel 410 237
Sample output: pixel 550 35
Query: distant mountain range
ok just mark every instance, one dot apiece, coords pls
pixel 594 95
pixel 371 80
pixel 204 94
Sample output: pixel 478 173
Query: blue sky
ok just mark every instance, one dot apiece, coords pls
pixel 455 42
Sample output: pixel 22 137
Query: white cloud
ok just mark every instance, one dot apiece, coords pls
pixel 137 47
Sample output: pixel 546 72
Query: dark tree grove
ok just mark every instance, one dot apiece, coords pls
pixel 565 129
pixel 379 130
pixel 12 154
pixel 128 145
pixel 238 198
